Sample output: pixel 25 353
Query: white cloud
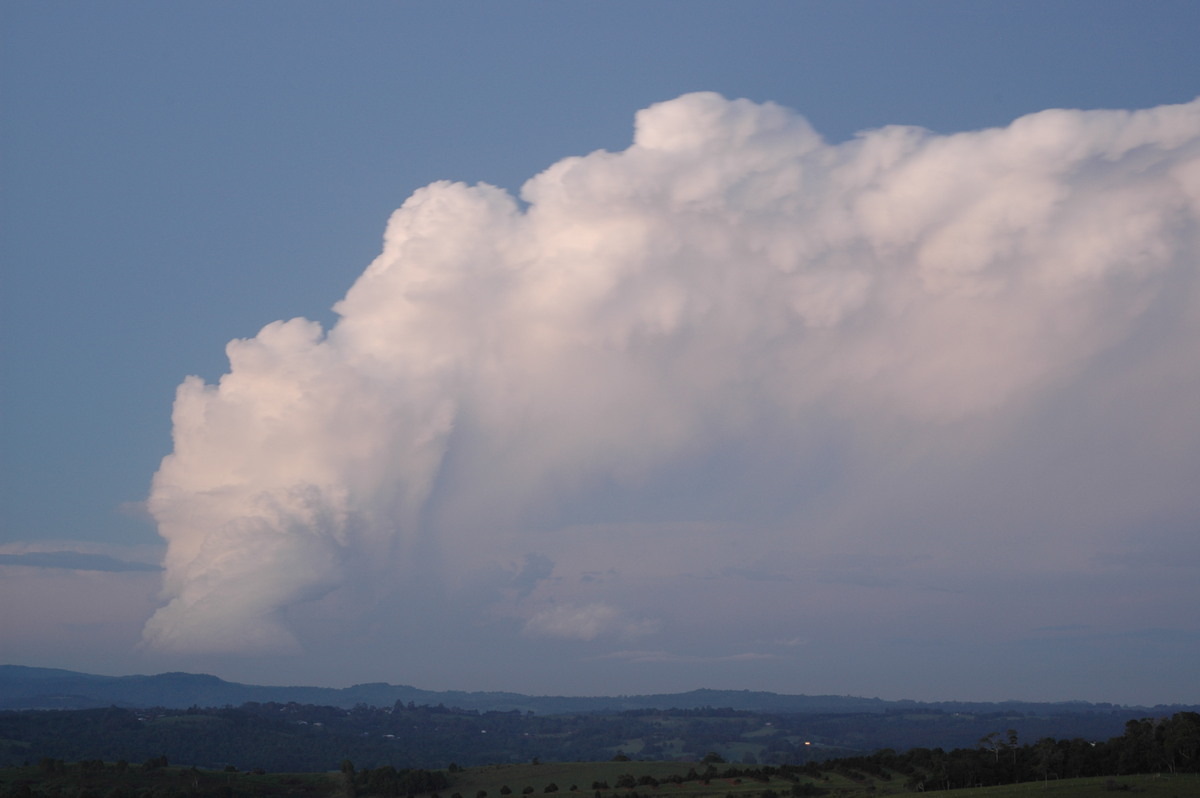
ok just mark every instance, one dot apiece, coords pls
pixel 731 347
pixel 585 622
pixel 655 656
pixel 81 556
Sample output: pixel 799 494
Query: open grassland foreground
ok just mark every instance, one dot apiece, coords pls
pixel 533 781
pixel 577 780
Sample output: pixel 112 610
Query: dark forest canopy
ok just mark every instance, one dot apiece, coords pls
pixel 300 737
pixel 1164 746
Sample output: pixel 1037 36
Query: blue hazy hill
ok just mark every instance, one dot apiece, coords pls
pixel 24 687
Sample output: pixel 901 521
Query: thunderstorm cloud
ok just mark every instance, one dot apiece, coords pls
pixel 731 357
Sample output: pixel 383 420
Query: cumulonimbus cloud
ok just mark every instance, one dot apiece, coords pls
pixel 729 280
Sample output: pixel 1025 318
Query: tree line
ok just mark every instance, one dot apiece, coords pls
pixel 1148 745
pixel 307 738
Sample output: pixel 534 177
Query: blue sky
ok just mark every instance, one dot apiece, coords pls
pixel 179 175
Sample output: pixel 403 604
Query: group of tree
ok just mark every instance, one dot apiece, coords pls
pixel 308 738
pixel 1149 745
pixel 1168 745
pixel 388 781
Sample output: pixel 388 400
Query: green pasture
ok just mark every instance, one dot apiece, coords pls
pixel 532 780
pixel 492 779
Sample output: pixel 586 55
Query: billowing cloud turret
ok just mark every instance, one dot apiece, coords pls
pixel 727 345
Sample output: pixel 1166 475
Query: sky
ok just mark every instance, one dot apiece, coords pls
pixel 604 348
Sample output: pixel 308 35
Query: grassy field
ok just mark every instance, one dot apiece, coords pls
pixel 531 781
pixel 517 777
pixel 1148 786
pixel 169 782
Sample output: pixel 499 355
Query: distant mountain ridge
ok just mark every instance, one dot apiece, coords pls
pixel 24 687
